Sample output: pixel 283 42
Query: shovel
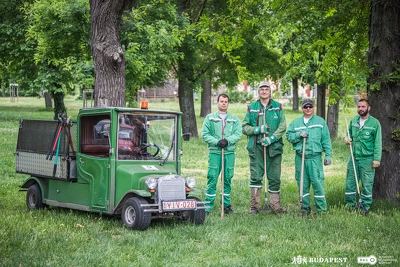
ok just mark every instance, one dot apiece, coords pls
pixel 222 182
pixel 302 172
pixel 222 174
pixel 265 169
pixel 360 205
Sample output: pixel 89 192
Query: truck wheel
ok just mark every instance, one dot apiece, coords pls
pixel 197 216
pixel 133 215
pixel 34 198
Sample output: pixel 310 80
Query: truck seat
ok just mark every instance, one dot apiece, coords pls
pixel 96 150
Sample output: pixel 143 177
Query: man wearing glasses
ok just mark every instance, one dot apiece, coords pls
pixel 314 130
pixel 264 125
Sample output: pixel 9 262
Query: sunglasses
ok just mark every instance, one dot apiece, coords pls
pixel 305 107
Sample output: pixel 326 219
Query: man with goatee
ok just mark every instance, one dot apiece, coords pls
pixel 366 141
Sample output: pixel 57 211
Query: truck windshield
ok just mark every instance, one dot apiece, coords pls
pixel 146 136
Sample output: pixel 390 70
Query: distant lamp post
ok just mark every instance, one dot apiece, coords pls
pixel 175 94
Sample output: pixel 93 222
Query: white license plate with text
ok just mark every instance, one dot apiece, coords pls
pixel 179 205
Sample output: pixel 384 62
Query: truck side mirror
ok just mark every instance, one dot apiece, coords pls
pixel 186 133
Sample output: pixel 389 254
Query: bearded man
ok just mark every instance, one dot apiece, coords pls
pixel 366 141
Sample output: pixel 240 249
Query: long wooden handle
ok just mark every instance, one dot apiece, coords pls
pixel 223 173
pixel 352 158
pixel 222 181
pixel 265 163
pixel 302 170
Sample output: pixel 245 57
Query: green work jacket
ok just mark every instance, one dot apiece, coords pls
pixel 367 141
pixel 212 132
pixel 275 120
pixel 318 139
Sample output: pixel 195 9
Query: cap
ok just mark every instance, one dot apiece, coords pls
pixel 307 101
pixel 264 83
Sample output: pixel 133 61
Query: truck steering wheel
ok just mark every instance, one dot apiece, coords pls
pixel 144 146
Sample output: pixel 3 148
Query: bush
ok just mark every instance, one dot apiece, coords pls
pixel 239 97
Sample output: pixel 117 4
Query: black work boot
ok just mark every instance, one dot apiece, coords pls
pixel 228 210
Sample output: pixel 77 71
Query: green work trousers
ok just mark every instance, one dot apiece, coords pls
pixel 365 174
pixel 313 175
pixel 214 169
pixel 273 170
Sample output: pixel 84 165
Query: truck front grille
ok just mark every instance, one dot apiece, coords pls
pixel 171 187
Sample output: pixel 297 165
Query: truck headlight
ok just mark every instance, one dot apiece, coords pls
pixel 190 182
pixel 151 183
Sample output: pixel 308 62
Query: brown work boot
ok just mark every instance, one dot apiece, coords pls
pixel 276 203
pixel 254 200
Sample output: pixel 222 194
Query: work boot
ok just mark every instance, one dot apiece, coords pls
pixel 362 210
pixel 228 210
pixel 304 213
pixel 276 203
pixel 254 200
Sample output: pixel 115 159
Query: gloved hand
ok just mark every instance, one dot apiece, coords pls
pixel 347 140
pixel 222 143
pixel 266 141
pixel 304 134
pixel 327 162
pixel 376 164
pixel 263 129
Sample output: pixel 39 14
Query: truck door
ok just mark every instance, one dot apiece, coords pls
pixel 93 159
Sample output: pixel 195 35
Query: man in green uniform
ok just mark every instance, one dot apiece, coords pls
pixel 366 141
pixel 264 125
pixel 221 130
pixel 315 131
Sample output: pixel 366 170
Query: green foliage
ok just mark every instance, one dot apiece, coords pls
pixel 392 77
pixel 61 31
pixel 325 42
pixel 236 96
pixel 237 31
pixel 150 35
pixel 16 53
pixel 396 134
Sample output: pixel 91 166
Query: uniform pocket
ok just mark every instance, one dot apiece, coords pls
pixel 275 149
pixel 250 144
pixel 212 172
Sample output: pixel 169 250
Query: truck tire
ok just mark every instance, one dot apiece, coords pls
pixel 34 198
pixel 197 216
pixel 133 215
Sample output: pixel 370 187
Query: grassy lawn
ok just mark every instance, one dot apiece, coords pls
pixel 62 237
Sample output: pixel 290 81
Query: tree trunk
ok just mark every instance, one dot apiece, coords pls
pixel 383 58
pixel 59 107
pixel 205 98
pixel 332 119
pixel 186 102
pixel 108 56
pixel 186 75
pixel 321 96
pixel 47 100
pixel 295 84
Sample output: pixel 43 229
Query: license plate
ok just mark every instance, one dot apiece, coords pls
pixel 179 205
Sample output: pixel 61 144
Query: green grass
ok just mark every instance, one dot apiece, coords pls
pixel 62 237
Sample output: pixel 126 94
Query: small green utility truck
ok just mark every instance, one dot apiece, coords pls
pixel 115 161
